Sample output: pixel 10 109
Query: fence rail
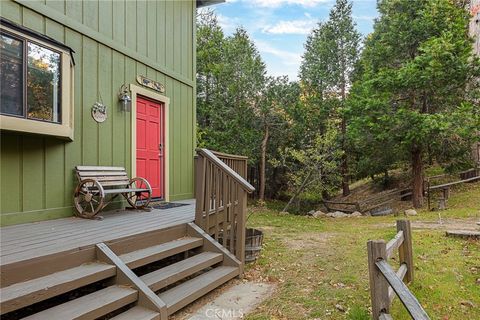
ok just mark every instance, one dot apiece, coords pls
pixel 221 201
pixel 386 283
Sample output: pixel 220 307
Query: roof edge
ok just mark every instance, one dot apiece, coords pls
pixel 204 3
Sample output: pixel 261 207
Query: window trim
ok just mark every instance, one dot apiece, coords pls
pixel 63 129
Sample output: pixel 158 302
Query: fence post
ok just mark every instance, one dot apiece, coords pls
pixel 405 250
pixel 378 284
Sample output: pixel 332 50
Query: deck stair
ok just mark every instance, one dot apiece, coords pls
pixel 149 276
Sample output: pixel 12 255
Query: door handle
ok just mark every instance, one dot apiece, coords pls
pixel 160 148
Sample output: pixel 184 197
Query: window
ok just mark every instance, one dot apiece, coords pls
pixel 36 85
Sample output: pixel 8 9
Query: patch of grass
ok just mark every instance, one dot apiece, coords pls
pixel 321 270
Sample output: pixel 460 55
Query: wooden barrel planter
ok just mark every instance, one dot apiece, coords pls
pixel 253 244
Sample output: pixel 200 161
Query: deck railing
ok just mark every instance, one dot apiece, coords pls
pixel 221 199
pixel 236 162
pixel 385 283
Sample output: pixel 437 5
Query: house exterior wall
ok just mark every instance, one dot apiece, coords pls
pixel 114 41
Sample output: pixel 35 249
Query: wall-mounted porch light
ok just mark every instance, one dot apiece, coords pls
pixel 125 99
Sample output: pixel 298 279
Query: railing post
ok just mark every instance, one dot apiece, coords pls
pixel 241 222
pixel 378 284
pixel 405 251
pixel 199 189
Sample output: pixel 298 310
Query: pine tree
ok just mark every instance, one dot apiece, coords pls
pixel 331 53
pixel 418 69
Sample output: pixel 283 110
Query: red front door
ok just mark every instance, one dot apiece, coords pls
pixel 150 144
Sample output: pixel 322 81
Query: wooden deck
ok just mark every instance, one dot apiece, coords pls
pixel 31 240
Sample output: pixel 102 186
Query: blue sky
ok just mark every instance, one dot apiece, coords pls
pixel 280 27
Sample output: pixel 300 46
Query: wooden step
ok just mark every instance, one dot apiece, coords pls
pixel 26 293
pixel 138 313
pixel 189 291
pixel 166 276
pixel 148 255
pixel 91 306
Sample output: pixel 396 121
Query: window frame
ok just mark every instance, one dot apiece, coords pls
pixel 64 128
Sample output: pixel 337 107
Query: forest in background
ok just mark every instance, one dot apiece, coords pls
pixel 405 96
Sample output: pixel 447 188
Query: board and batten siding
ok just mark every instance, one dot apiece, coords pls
pixel 114 41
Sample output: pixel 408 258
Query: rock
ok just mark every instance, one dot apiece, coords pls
pixel 467 303
pixel 311 213
pixel 356 214
pixel 410 212
pixel 337 214
pixel 318 214
pixel 340 307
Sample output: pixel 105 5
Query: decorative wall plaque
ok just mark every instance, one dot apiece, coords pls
pixel 149 83
pixel 99 112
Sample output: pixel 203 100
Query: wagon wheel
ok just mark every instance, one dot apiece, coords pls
pixel 89 198
pixel 139 199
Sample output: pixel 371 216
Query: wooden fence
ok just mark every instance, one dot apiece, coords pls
pixel 221 201
pixel 385 283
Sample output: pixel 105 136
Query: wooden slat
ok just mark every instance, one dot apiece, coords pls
pixel 123 190
pixel 394 244
pixel 29 292
pixel 99 168
pixel 123 183
pixel 465 234
pixel 166 276
pixel 111 178
pixel 138 313
pixel 187 292
pixel 401 272
pixel 90 306
pixel 151 254
pixel 411 303
pixel 87 174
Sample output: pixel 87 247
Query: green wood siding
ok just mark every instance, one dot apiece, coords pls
pixel 114 41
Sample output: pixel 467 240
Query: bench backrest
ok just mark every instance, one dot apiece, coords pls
pixel 107 176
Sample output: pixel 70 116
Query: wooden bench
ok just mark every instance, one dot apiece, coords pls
pixel 96 183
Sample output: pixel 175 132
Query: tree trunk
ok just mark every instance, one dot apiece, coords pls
pixel 263 161
pixel 297 193
pixel 417 177
pixel 344 165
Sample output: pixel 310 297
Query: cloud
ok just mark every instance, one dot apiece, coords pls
pixel 279 62
pixel 302 26
pixel 363 18
pixel 278 3
pixel 228 24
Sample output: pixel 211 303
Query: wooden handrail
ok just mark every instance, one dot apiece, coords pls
pixel 221 200
pixel 227 155
pixel 222 165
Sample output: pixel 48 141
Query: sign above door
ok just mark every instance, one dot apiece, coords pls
pixel 149 83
